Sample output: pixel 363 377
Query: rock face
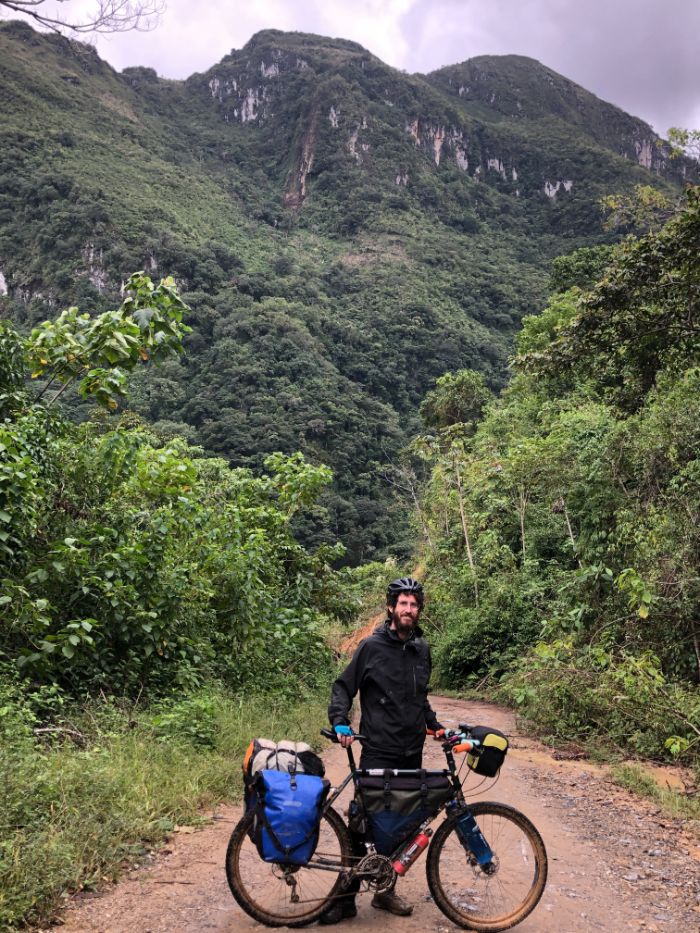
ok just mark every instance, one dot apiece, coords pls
pixel 500 120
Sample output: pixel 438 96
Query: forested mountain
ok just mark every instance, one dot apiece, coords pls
pixel 344 233
pixel 360 252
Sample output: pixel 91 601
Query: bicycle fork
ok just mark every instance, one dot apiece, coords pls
pixel 474 841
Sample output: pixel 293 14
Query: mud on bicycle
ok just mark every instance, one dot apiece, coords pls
pixel 486 863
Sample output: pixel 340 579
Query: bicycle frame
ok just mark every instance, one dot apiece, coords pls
pixel 455 803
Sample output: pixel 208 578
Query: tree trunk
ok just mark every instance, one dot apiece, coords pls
pixel 571 533
pixel 465 529
pixel 522 506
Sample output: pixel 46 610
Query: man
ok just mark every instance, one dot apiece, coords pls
pixel 390 670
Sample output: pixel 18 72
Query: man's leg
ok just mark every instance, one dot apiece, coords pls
pixel 344 907
pixel 391 901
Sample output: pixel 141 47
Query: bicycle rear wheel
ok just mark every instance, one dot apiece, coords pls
pixel 287 896
pixel 473 899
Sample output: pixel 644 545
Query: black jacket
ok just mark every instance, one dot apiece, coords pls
pixel 391 677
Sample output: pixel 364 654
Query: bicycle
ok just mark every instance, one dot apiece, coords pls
pixel 485 889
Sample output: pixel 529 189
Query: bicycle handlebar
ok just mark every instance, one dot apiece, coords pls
pixel 456 740
pixel 333 736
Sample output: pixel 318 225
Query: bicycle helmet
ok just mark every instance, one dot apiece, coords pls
pixel 405 585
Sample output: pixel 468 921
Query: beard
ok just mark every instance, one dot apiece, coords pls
pixel 404 625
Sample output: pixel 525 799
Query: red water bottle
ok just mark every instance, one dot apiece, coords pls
pixel 411 852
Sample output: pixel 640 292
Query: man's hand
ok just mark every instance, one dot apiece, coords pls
pixel 439 734
pixel 345 735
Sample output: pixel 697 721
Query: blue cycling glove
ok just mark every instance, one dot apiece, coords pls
pixel 343 730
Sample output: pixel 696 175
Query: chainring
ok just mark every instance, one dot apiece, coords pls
pixel 377 872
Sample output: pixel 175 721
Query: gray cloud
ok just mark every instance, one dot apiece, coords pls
pixel 637 54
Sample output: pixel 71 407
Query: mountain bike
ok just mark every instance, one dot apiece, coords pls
pixel 486 880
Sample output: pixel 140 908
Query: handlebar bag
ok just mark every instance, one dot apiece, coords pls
pixel 395 804
pixel 288 815
pixel 488 757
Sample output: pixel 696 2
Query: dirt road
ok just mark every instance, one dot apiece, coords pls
pixel 614 863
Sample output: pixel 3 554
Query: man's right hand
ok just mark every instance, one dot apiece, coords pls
pixel 345 735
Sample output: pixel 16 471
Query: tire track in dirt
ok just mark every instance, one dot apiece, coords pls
pixel 614 863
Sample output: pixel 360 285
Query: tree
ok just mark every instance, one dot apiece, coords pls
pixel 458 398
pixel 105 16
pixel 136 562
pixel 685 142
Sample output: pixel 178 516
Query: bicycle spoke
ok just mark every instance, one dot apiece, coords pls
pixel 472 897
pixel 276 896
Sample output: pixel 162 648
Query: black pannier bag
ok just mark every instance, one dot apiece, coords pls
pixel 488 757
pixel 396 804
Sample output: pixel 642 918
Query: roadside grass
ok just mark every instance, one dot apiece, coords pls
pixel 73 816
pixel 672 802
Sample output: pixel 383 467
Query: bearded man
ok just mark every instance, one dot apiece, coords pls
pixel 390 670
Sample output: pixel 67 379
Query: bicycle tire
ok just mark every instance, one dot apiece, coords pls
pixel 473 899
pixel 262 889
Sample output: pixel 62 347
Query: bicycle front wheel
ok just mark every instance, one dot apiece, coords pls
pixel 470 897
pixel 290 896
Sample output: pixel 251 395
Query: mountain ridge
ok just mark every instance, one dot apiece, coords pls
pixel 344 234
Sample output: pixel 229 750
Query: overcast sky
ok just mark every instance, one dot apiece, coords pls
pixel 639 54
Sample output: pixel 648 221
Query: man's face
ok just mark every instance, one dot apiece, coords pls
pixel 404 615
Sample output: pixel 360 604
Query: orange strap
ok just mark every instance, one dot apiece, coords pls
pixel 248 755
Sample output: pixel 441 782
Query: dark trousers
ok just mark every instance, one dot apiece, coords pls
pixel 373 760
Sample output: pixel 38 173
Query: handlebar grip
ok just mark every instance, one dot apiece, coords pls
pixel 330 734
pixel 463 747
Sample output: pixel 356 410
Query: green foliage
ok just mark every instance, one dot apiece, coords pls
pixel 481 642
pixel 563 532
pixel 577 694
pixel 103 349
pixel 644 209
pixel 458 398
pixel 105 784
pixel 580 269
pixel 684 142
pixel 639 320
pixel 323 309
pixel 141 563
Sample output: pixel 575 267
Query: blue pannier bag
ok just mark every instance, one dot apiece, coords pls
pixel 288 815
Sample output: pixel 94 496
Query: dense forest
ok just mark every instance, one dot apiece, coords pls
pixel 561 519
pixel 394 328
pixel 343 234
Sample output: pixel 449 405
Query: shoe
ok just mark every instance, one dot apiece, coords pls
pixel 341 910
pixel 393 903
